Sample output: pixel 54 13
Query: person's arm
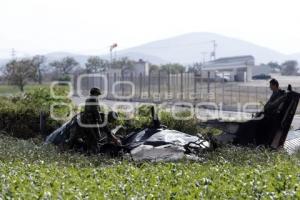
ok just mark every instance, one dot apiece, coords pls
pixel 112 137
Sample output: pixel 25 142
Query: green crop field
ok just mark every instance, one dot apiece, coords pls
pixel 30 170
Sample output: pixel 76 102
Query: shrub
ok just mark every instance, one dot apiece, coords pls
pixel 184 123
pixel 140 120
pixel 143 119
pixel 20 115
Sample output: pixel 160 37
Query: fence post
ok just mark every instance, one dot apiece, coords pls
pixel 195 86
pixel 169 82
pixel 141 84
pixel 131 80
pixel 223 92
pixel 75 78
pixel 208 82
pixel 122 86
pixel 115 80
pixel 187 77
pixel 149 85
pixel 159 82
pixel 201 81
pixel 215 87
pixel 108 84
pixel 181 85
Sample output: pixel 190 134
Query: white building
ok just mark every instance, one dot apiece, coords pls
pixel 239 67
pixel 139 67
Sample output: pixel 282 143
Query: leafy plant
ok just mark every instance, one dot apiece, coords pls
pixel 20 114
pixel 30 170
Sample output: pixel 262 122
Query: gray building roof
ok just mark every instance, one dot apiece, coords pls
pixel 228 62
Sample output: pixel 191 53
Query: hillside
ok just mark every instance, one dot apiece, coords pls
pixel 189 48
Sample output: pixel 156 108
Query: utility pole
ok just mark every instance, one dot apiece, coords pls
pixel 13 53
pixel 111 48
pixel 110 65
pixel 213 53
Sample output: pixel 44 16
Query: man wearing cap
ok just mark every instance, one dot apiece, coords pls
pixel 91 120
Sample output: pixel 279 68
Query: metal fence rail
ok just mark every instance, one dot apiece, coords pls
pixel 162 87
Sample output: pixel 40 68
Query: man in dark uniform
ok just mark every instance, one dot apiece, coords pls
pixel 272 104
pixel 271 115
pixel 95 136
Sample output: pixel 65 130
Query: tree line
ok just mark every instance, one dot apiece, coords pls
pixel 287 68
pixel 21 71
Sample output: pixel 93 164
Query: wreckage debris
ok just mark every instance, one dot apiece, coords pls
pixel 157 143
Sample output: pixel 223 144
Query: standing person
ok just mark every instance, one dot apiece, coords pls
pixel 271 116
pixel 91 117
pixel 276 94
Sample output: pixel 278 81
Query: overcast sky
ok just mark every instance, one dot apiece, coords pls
pixel 90 26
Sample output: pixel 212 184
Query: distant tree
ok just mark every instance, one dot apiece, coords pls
pixel 274 66
pixel 289 68
pixel 173 68
pixel 38 62
pixel 95 64
pixel 19 72
pixel 64 66
pixel 153 68
pixel 125 64
pixel 195 68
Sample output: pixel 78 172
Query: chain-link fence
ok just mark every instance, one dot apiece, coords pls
pixel 185 87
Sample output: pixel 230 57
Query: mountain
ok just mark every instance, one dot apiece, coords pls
pixel 189 48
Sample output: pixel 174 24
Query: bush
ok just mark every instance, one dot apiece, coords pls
pixel 140 120
pixel 184 123
pixel 143 119
pixel 20 115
